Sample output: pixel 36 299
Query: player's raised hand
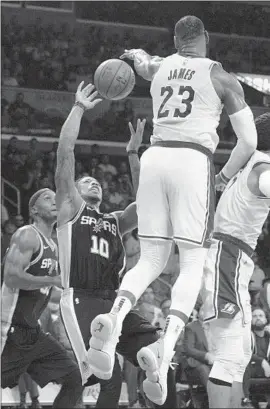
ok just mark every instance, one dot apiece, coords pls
pixel 136 136
pixel 134 53
pixel 86 96
pixel 220 182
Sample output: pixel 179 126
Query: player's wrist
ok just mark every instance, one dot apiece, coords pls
pixel 78 104
pixel 223 177
pixel 132 152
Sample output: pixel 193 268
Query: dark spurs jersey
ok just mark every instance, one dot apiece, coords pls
pixel 91 252
pixel 22 307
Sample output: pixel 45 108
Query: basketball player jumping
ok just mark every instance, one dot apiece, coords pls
pixel 240 215
pixel 30 272
pixel 176 195
pixel 91 255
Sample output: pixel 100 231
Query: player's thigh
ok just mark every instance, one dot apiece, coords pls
pixel 14 362
pixel 152 204
pixel 137 332
pixel 191 196
pixel 226 337
pixel 51 361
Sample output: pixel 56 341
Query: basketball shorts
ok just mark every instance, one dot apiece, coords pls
pixel 80 307
pixel 228 270
pixel 34 352
pixel 176 195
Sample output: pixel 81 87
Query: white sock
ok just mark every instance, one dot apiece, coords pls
pixel 153 259
pixel 173 328
pixel 121 307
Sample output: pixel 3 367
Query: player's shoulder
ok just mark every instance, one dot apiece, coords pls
pixel 224 81
pixel 25 237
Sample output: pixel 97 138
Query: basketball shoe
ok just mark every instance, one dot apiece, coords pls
pixel 105 332
pixel 155 361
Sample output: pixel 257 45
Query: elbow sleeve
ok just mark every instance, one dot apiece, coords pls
pixel 244 127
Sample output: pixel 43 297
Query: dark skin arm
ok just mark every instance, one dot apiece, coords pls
pixel 68 199
pixel 128 219
pixel 24 243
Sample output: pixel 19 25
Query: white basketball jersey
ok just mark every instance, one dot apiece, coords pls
pixel 239 212
pixel 186 106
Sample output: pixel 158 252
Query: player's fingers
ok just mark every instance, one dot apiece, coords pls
pixel 143 122
pixel 132 131
pixel 88 89
pixel 92 96
pixel 97 101
pixel 80 86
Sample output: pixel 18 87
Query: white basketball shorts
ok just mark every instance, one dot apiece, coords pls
pixel 176 195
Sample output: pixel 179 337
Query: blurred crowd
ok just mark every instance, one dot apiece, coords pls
pixel 53 57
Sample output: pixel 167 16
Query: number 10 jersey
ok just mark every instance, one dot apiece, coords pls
pixel 186 106
pixel 91 252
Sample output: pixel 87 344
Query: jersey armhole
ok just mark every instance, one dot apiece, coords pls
pixel 75 218
pixel 249 194
pixel 38 257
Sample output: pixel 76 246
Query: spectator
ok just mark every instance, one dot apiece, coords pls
pixel 12 148
pixel 115 198
pixel 18 221
pixel 21 114
pixel 33 151
pixel 199 359
pixel 9 229
pixel 8 79
pixel 93 166
pixel 79 169
pixel 4 214
pixel 165 307
pixel 259 366
pixel 106 166
pixel 126 188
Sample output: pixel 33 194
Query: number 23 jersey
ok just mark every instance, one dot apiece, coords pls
pixel 186 106
pixel 91 252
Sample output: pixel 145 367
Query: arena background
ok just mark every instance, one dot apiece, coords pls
pixel 48 47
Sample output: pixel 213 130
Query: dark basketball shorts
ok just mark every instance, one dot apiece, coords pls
pixel 34 352
pixel 80 307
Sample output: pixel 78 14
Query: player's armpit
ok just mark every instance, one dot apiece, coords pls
pixel 259 180
pixel 24 244
pixel 127 219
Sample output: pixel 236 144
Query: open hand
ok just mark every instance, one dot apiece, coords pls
pixel 86 96
pixel 136 136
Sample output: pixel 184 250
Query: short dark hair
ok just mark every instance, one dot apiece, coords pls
pixel 262 123
pixel 188 28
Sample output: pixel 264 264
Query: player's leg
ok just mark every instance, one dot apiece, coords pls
pixel 155 239
pixel 191 198
pixel 137 333
pixel 227 347
pixel 51 363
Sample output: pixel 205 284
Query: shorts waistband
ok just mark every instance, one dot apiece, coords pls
pixel 98 293
pixel 182 144
pixel 227 238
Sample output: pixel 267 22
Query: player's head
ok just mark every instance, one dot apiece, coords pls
pixel 262 123
pixel 90 190
pixel 42 206
pixel 189 33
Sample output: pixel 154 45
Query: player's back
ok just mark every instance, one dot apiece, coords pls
pixel 240 213
pixel 186 106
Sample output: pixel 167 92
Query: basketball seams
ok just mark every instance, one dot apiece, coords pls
pixel 130 73
pixel 100 76
pixel 114 78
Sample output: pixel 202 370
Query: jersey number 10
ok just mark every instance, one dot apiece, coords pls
pixel 186 101
pixel 100 246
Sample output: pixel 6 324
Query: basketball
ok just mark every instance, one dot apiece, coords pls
pixel 114 79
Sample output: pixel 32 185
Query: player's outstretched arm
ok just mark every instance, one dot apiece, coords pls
pixel 128 219
pixel 68 200
pixel 24 243
pixel 145 64
pixel 232 95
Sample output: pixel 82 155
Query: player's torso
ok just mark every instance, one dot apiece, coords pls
pixel 91 252
pixel 25 307
pixel 185 104
pixel 240 213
